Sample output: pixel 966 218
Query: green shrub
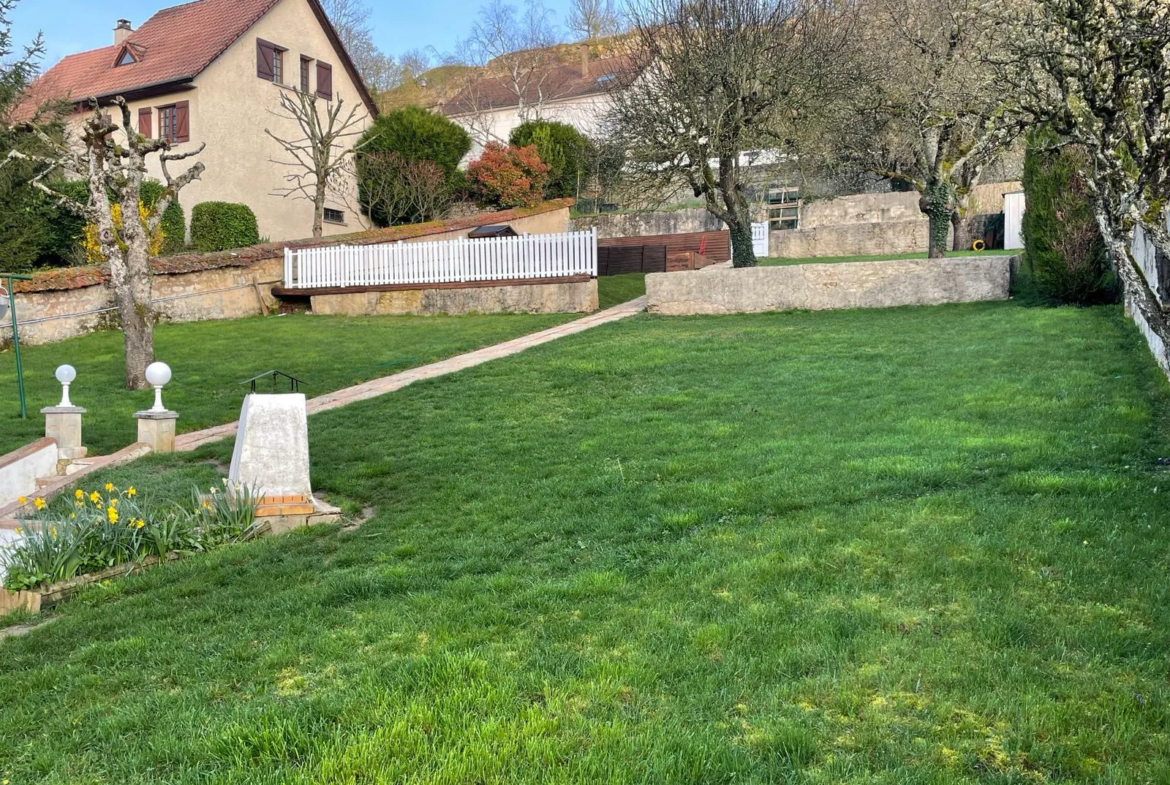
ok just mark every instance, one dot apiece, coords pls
pixel 1065 257
pixel 418 135
pixel 221 226
pixel 174 222
pixel 563 148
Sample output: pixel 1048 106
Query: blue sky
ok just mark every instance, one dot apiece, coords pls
pixel 399 25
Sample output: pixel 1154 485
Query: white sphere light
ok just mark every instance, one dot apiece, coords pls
pixel 158 374
pixel 66 374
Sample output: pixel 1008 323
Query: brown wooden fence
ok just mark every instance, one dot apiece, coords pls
pixel 649 254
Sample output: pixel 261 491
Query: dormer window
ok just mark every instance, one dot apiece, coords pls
pixel 126 57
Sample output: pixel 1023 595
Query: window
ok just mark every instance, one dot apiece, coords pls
pixel 174 122
pixel 270 61
pixel 334 216
pixel 306 69
pixel 126 58
pixel 783 208
pixel 325 81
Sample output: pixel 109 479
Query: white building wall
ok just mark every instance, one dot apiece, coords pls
pixel 586 114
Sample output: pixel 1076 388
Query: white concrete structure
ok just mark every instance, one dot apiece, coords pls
pixel 1013 220
pixel 271 456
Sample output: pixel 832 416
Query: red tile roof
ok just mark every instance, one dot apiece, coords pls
pixel 173 46
pixel 557 83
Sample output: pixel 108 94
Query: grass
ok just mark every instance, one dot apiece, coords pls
pixel 776 261
pixel 210 359
pixel 616 289
pixel 921 545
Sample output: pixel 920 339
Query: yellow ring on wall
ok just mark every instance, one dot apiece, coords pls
pixel 978 245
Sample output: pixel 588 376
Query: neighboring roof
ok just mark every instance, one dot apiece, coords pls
pixel 173 46
pixel 558 82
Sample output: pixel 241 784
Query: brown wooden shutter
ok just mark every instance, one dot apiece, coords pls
pixel 265 54
pixel 145 116
pixel 182 122
pixel 325 81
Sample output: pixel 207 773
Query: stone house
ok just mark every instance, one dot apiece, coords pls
pixel 212 72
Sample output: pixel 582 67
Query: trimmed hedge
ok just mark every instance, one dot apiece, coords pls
pixel 221 226
pixel 1064 254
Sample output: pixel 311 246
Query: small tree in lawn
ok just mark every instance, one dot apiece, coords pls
pixel 117 167
pixel 508 176
pixel 397 190
pixel 319 160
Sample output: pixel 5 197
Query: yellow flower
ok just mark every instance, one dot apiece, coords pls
pixel 23 500
pixel 19 530
pixel 39 504
pixel 95 497
pixel 131 491
pixel 206 504
pixel 112 514
pixel 114 502
pixel 53 532
pixel 80 494
pixel 139 523
pixel 78 504
pixel 109 486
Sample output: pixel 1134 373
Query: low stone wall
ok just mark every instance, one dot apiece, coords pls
pixel 20 469
pixel 575 297
pixel 853 239
pixel 684 221
pixel 65 303
pixel 819 287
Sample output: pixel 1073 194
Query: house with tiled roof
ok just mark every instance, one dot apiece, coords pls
pixel 543 86
pixel 212 72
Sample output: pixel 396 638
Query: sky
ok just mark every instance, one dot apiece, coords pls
pixel 399 25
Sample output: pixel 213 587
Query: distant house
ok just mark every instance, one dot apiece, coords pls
pixel 494 103
pixel 212 71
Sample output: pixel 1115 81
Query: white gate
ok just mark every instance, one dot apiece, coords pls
pixel 1013 220
pixel 760 239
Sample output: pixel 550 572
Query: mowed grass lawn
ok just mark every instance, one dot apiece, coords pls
pixel 209 361
pixel 923 545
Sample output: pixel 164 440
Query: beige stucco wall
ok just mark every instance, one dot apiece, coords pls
pixel 586 114
pixel 577 297
pixel 229 109
pixel 819 287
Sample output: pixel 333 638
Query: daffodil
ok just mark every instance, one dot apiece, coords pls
pixel 23 500
pixel 53 532
pixel 131 491
pixel 139 523
pixel 80 494
pixel 95 497
pixel 39 504
pixel 19 530
pixel 112 514
pixel 109 486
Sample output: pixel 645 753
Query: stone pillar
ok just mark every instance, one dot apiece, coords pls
pixel 157 429
pixel 63 424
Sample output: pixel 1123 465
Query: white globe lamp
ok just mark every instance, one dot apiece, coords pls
pixel 65 374
pixel 157 375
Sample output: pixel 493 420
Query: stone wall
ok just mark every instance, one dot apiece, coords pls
pixel 65 303
pixel 818 287
pixel 574 297
pixel 684 221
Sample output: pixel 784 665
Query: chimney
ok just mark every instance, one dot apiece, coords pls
pixel 122 31
pixel 584 61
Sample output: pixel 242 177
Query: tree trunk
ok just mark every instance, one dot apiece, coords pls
pixel 936 204
pixel 743 253
pixel 1135 291
pixel 964 231
pixel 319 210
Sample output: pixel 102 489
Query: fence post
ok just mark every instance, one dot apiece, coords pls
pixel 593 250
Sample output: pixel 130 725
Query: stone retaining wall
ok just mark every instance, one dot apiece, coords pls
pixel 574 297
pixel 64 303
pixel 818 287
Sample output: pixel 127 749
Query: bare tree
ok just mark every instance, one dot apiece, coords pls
pixel 1097 72
pixel 514 50
pixel 397 190
pixel 711 81
pixel 591 19
pixel 320 159
pixel 932 114
pixel 351 20
pixel 112 165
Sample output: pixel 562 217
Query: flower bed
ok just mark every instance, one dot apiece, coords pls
pixel 99 531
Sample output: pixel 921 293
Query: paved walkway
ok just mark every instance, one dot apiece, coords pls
pixel 371 389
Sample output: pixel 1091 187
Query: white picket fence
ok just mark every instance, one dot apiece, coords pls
pixel 445 261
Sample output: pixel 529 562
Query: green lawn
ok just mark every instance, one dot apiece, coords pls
pixel 616 289
pixel 920 545
pixel 210 359
pixel 776 261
